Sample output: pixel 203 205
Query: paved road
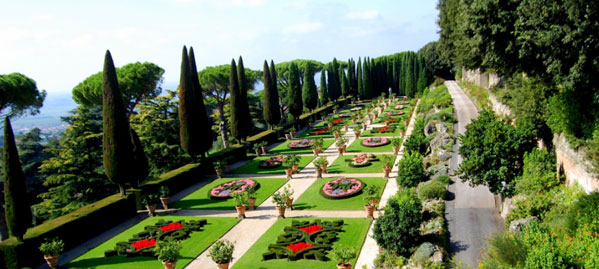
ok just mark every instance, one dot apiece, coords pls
pixel 471 215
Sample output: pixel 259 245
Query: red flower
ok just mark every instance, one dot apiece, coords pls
pixel 311 229
pixel 299 246
pixel 146 243
pixel 172 226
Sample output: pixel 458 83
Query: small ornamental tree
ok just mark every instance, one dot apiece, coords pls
pixel 295 92
pixel 116 140
pixel 309 94
pixel 17 211
pixel 411 170
pixel 205 135
pixel 324 93
pixel 398 229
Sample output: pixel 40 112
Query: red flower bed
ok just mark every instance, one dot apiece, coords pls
pixel 172 226
pixel 297 247
pixel 146 243
pixel 312 229
pixel 322 131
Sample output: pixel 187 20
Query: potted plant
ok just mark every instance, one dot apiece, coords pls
pixel 289 162
pixel 288 191
pixel 318 168
pixel 222 253
pixel 240 199
pixel 292 132
pixel 387 161
pixel 149 201
pixel 346 126
pixel 343 255
pixel 251 192
pixel 168 251
pixel 396 143
pixel 51 250
pixel 165 196
pixel 317 146
pixel 336 131
pixel 368 197
pixel 336 108
pixel 218 168
pixel 357 131
pixel 371 195
pixel 330 121
pixel 385 117
pixel 341 145
pixel 257 149
pixel 323 163
pixel 263 146
pixel 280 200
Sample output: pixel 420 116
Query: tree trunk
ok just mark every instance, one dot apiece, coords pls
pixel 222 126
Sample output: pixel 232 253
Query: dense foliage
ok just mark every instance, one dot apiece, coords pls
pixel 19 95
pixel 411 170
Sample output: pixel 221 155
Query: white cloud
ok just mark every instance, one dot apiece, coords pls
pixel 43 18
pixel 363 15
pixel 250 3
pixel 303 28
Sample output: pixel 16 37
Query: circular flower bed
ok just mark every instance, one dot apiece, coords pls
pixel 403 102
pixel 273 162
pixel 362 160
pixel 224 191
pixel 375 141
pixel 345 115
pixel 342 188
pixel 398 107
pixel 301 144
pixel 395 113
pixel 356 109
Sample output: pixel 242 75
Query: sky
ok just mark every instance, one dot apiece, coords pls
pixel 60 43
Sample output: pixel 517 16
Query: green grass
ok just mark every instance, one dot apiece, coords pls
pixel 192 247
pixel 369 133
pixel 311 199
pixel 201 200
pixel 252 166
pixel 284 149
pixel 340 165
pixel 354 233
pixel 357 146
pixel 307 134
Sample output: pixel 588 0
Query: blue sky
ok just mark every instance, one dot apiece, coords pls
pixel 60 43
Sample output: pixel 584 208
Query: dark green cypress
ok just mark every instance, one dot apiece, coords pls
pixel 235 103
pixel 16 207
pixel 275 94
pixel 395 74
pixel 324 92
pixel 309 94
pixel 246 119
pixel 268 106
pixel 360 79
pixel 140 161
pixel 367 79
pixel 188 110
pixel 295 92
pixel 421 77
pixel 344 82
pixel 205 134
pixel 332 83
pixel 350 76
pixel 117 146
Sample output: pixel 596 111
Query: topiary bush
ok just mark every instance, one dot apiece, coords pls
pixel 398 229
pixel 432 189
pixel 411 170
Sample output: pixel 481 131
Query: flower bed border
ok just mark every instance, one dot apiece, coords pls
pixel 371 146
pixel 229 196
pixel 358 191
pixel 278 163
pixel 311 142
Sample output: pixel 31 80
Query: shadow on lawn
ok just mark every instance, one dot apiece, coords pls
pixel 115 260
pixel 302 206
pixel 202 204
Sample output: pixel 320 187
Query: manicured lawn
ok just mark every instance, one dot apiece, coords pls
pixel 201 200
pixel 311 199
pixel 284 149
pixel 252 166
pixel 357 146
pixel 369 133
pixel 307 134
pixel 192 246
pixel 354 233
pixel 340 165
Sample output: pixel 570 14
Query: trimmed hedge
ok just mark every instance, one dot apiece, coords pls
pixel 74 228
pixel 432 189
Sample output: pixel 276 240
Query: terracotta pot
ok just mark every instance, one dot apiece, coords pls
pixel 357 134
pixel 387 170
pixel 346 127
pixel 287 136
pixel 165 201
pixel 251 203
pixel 258 151
pixel 295 168
pixel 344 148
pixel 292 134
pixel 344 265
pixel 373 203
pixel 395 149
pixel 324 167
pixel 318 172
pixel 335 111
pixel 222 265
pixel 407 123
pixel 403 132
pixel 309 125
pixel 359 116
pixel 338 134
pixel 52 261
pixel 322 118
pixel 290 203
pixel 368 110
pixel 281 211
pixel 316 151
pixel 340 150
pixel 289 172
pixel 330 125
pixel 240 211
pixel 151 210
pixel 369 211
pixel 264 150
pixel 169 265
pixel 219 173
pixel 354 120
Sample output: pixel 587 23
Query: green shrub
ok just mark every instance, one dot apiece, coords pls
pixel 538 173
pixel 424 251
pixel 446 180
pixel 432 189
pixel 222 251
pixel 398 229
pixel 52 247
pixel 584 211
pixel 389 260
pixel 343 253
pixel 411 170
pixel 505 250
pixel 168 250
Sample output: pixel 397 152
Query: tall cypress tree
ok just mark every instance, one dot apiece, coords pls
pixel 275 94
pixel 117 146
pixel 141 165
pixel 235 104
pixel 189 131
pixel 295 92
pixel 360 80
pixel 324 92
pixel 350 77
pixel 309 94
pixel 344 82
pixel 269 106
pixel 16 207
pixel 246 119
pixel 421 79
pixel 332 83
pixel 367 79
pixel 205 134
